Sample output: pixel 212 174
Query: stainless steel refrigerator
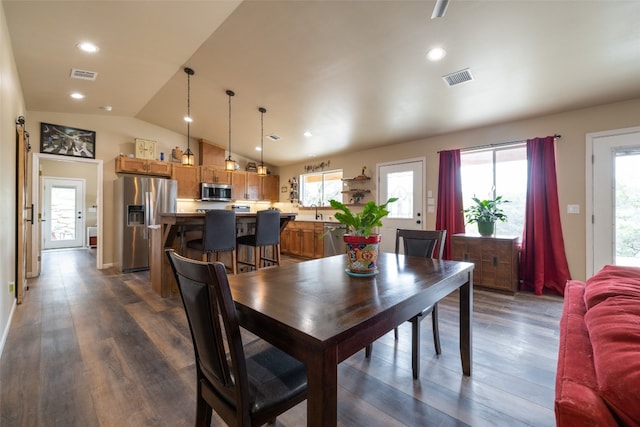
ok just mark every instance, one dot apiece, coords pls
pixel 138 202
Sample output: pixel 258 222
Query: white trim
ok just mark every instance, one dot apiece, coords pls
pixel 5 333
pixel 590 140
pixel 35 198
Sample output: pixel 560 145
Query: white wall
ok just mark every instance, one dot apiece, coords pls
pixel 11 106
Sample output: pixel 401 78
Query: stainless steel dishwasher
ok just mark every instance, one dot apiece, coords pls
pixel 333 243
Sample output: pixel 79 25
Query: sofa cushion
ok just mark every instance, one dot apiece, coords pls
pixel 577 400
pixel 614 330
pixel 612 281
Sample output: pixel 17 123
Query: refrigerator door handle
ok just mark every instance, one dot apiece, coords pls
pixel 148 201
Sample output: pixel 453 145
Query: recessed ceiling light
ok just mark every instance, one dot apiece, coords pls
pixel 436 54
pixel 258 149
pixel 188 119
pixel 106 108
pixel 77 95
pixel 88 47
pixel 308 134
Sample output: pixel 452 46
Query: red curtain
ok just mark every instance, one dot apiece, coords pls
pixel 449 215
pixel 543 262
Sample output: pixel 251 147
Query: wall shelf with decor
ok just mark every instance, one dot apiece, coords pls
pixel 356 194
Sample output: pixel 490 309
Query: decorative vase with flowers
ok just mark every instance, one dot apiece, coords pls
pixel 486 213
pixel 362 245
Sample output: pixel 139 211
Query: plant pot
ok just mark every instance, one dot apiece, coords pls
pixel 362 253
pixel 486 228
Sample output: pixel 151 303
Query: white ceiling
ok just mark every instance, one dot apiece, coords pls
pixel 352 72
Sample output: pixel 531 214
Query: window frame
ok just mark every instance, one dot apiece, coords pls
pixel 495 189
pixel 302 184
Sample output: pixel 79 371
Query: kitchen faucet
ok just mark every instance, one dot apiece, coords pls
pixel 317 216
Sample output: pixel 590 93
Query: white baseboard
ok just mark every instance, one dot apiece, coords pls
pixel 5 333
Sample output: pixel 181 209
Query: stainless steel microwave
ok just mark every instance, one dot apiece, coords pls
pixel 215 192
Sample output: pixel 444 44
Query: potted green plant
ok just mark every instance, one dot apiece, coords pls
pixel 486 212
pixel 362 245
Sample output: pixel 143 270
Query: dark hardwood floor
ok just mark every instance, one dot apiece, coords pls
pixel 98 348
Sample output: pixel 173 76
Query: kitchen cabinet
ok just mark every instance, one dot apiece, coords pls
pixel 215 175
pixel 303 238
pixel 239 185
pixel 495 258
pixel 251 186
pixel 142 166
pixel 188 178
pixel 270 187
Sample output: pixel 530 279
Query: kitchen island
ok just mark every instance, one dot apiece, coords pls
pixel 170 233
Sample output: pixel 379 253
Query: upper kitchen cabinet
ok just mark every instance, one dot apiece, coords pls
pixel 245 186
pixel 251 186
pixel 142 166
pixel 270 186
pixel 215 174
pixel 188 178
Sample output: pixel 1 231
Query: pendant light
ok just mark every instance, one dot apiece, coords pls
pixel 262 169
pixel 188 158
pixel 230 165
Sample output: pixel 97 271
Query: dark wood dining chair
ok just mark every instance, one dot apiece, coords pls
pixel 267 234
pixel 218 235
pixel 426 244
pixel 246 384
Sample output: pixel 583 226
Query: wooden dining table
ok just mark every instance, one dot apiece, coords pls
pixel 320 315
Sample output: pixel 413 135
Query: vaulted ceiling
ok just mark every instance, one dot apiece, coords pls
pixel 353 73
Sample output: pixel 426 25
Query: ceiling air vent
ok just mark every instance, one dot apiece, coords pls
pixel 458 77
pixel 274 137
pixel 83 74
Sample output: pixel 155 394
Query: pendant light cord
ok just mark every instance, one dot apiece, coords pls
pixel 262 111
pixel 230 93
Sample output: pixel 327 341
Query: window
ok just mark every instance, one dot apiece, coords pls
pixel 499 171
pixel 318 188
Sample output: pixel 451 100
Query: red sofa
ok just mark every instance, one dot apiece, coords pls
pixel 598 377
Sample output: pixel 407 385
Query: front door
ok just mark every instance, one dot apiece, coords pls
pixel 405 180
pixel 615 199
pixel 63 215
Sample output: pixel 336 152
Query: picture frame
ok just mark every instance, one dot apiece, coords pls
pixel 67 141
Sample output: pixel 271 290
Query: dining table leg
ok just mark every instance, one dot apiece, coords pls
pixel 466 315
pixel 322 388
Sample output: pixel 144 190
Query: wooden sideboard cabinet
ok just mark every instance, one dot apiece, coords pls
pixel 142 166
pixel 495 258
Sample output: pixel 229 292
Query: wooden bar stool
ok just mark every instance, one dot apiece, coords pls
pixel 219 235
pixel 267 234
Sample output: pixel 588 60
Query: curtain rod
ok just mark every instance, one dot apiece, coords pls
pixel 499 144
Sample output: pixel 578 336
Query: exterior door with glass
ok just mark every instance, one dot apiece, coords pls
pixel 404 180
pixel 615 199
pixel 63 214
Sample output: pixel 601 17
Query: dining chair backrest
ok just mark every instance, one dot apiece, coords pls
pixel 267 227
pixel 213 319
pixel 422 243
pixel 219 233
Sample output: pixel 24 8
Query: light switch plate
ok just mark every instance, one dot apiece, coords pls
pixel 573 209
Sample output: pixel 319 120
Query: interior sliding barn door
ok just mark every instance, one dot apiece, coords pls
pixel 24 209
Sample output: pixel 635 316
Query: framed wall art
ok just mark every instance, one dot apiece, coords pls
pixel 67 141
